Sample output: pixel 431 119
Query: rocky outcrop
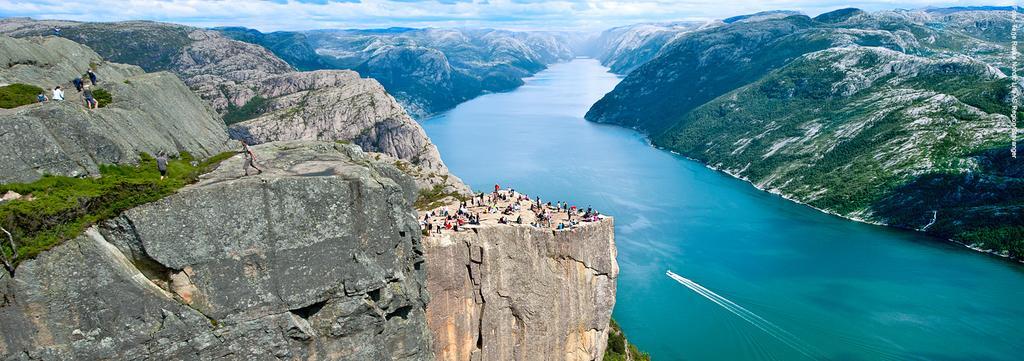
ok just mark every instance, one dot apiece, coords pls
pixel 243 81
pixel 317 258
pixel 150 113
pixel 515 292
pixel 333 105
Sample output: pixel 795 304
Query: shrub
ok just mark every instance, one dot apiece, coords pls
pixel 432 198
pixel 253 108
pixel 61 208
pixel 620 350
pixel 103 97
pixel 17 94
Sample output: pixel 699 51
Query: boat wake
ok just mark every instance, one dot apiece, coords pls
pixel 764 325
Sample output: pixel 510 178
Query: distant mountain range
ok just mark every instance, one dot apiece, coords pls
pixel 895 117
pixel 427 70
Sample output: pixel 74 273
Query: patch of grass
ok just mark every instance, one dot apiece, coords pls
pixel 253 108
pixel 17 94
pixel 61 207
pixel 619 349
pixel 103 97
pixel 431 198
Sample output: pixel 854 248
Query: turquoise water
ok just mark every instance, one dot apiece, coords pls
pixel 811 285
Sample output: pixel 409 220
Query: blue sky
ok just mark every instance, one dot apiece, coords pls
pixel 270 15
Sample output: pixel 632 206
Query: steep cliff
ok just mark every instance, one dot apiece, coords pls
pixel 624 48
pixel 318 258
pixel 149 113
pixel 330 105
pixel 519 292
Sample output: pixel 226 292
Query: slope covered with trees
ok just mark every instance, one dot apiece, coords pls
pixel 897 117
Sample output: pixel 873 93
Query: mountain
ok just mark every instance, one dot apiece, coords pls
pixel 764 15
pixel 244 81
pixel 894 117
pixel 427 70
pixel 626 47
pixel 149 113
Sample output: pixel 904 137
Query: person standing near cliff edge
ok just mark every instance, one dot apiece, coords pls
pixel 250 159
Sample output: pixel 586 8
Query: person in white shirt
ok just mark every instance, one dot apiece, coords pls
pixel 58 93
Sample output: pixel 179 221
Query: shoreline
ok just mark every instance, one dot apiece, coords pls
pixel 788 198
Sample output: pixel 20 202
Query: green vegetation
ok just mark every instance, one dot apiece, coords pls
pixel 17 94
pixel 103 97
pixel 253 108
pixel 869 169
pixel 56 208
pixel 619 349
pixel 154 47
pixel 432 198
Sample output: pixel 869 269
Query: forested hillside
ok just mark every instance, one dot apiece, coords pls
pixel 892 117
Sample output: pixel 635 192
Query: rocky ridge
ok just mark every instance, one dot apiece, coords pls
pixel 624 48
pixel 151 112
pixel 427 70
pixel 238 79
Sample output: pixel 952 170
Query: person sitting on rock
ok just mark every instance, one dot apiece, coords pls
pixel 58 93
pixel 92 76
pixel 41 97
pixel 250 159
pixel 90 101
pixel 78 84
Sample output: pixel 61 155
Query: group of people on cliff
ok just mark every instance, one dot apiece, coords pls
pixel 88 98
pixel 509 204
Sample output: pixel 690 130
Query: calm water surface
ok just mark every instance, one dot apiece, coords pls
pixel 813 286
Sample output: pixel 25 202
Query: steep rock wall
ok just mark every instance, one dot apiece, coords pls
pixel 507 292
pixel 318 258
pixel 333 105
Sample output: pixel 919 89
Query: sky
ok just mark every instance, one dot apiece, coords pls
pixel 585 15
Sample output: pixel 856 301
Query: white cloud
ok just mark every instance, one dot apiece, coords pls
pixel 509 14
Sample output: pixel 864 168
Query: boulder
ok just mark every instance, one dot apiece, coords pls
pixel 317 258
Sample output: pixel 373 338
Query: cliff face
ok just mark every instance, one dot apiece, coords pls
pixel 624 48
pixel 514 292
pixel 318 258
pixel 329 105
pixel 149 113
